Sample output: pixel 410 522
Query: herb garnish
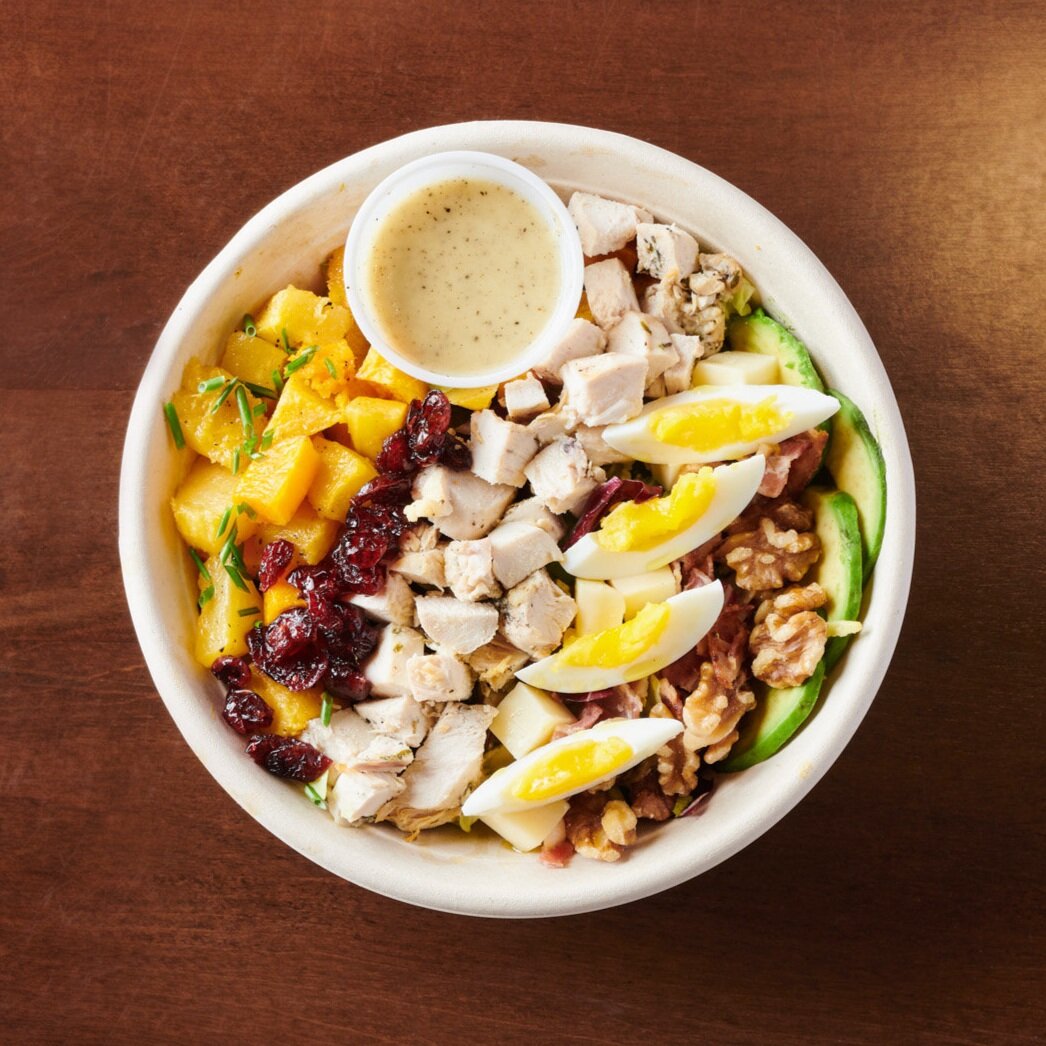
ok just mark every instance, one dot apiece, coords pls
pixel 329 364
pixel 248 325
pixel 174 425
pixel 326 708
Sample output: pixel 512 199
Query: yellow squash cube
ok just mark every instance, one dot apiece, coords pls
pixel 307 318
pixel 371 421
pixel 330 370
pixel 215 435
pixel 391 381
pixel 292 709
pixel 474 399
pixel 221 629
pixel 340 475
pixel 312 535
pixel 200 503
pixel 252 359
pixel 336 292
pixel 278 598
pixel 275 484
pixel 301 411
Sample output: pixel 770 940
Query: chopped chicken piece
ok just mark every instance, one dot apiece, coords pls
pixel 469 568
pixel 645 337
pixel 598 450
pixel 423 568
pixel 444 768
pixel 536 613
pixel 440 677
pixel 519 549
pixel 680 375
pixel 458 626
pixel 497 662
pixel 399 717
pixel 531 510
pixel 342 739
pixel 604 225
pixel 679 308
pixel 610 292
pixel 562 477
pixel 386 668
pixel 420 538
pixel 384 753
pixel 581 339
pixel 394 604
pixel 357 795
pixel 602 390
pixel 462 505
pixel 525 397
pixel 549 426
pixel 500 448
pixel 665 248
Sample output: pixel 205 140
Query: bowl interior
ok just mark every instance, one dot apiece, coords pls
pixel 285 243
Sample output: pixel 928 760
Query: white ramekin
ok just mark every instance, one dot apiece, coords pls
pixel 447 870
pixel 442 167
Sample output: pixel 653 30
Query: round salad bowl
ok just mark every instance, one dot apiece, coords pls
pixel 446 869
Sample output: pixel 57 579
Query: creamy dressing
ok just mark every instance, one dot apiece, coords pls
pixel 463 275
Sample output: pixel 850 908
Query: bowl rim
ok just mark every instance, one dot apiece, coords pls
pixel 431 170
pixel 373 871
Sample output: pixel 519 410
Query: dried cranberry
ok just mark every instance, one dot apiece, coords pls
pixel 232 671
pixel 603 498
pixel 384 490
pixel 456 454
pixel 297 671
pixel 426 426
pixel 275 558
pixel 246 712
pixel 290 633
pixel 345 681
pixel 395 453
pixel 287 757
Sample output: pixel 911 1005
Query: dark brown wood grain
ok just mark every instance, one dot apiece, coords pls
pixel 902 901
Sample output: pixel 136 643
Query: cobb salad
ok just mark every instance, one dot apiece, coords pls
pixel 555 608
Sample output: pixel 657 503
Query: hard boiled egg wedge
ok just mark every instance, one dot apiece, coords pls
pixel 658 635
pixel 570 765
pixel 637 537
pixel 719 423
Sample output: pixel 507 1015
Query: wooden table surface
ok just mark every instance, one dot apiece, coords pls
pixel 902 902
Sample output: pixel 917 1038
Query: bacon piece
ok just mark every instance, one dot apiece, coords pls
pixel 556 855
pixel 793 465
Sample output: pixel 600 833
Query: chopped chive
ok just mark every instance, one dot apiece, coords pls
pixel 229 545
pixel 210 384
pixel 237 579
pixel 246 418
pixel 236 461
pixel 237 557
pixel 224 521
pixel 277 382
pixel 314 797
pixel 259 409
pixel 205 596
pixel 223 395
pixel 248 325
pixel 300 360
pixel 284 340
pixel 266 440
pixel 245 510
pixel 326 708
pixel 248 611
pixel 329 364
pixel 259 390
pixel 174 425
pixel 200 565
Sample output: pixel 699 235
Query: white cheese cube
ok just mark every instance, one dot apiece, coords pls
pixel 526 719
pixel 655 586
pixel 598 606
pixel 736 368
pixel 386 668
pixel 527 829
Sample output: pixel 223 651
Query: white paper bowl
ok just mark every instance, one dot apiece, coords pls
pixel 447 870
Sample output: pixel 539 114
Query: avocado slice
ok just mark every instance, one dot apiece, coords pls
pixel 776 717
pixel 856 463
pixel 839 570
pixel 760 333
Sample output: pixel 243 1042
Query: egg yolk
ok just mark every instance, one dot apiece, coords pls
pixel 709 424
pixel 571 767
pixel 621 645
pixel 632 527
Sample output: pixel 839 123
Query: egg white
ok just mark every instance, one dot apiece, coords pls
pixel 691 615
pixel 643 736
pixel 807 406
pixel 735 487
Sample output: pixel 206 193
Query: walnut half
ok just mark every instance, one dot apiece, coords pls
pixel 788 639
pixel 767 557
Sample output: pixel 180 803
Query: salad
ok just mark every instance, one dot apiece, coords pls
pixel 554 608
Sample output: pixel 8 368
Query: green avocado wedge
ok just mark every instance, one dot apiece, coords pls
pixel 839 570
pixel 856 463
pixel 760 333
pixel 776 717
